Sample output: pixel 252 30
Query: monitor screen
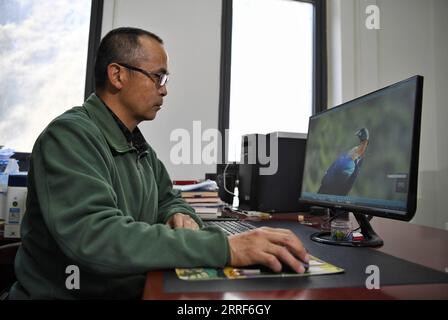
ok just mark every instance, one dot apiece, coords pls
pixel 362 156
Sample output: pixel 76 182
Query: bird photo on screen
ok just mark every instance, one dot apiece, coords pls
pixel 341 175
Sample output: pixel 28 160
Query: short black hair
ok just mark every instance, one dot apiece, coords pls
pixel 119 45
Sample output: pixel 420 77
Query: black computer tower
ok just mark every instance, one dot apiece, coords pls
pixel 277 192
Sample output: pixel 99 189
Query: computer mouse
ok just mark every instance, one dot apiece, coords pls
pixel 285 268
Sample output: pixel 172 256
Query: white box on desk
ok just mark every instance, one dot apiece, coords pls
pixel 15 205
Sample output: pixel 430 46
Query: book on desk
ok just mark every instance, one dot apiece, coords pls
pixel 204 199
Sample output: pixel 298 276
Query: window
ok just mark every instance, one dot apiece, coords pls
pixel 269 69
pixel 43 58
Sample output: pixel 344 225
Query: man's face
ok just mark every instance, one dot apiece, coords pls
pixel 142 96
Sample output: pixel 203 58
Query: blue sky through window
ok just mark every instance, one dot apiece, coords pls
pixel 43 56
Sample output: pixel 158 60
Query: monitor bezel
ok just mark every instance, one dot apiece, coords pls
pixel 411 206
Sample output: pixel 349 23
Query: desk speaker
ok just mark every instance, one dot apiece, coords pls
pixel 261 188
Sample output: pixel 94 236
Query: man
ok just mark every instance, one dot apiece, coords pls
pixel 99 200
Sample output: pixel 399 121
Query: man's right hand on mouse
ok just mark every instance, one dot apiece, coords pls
pixel 269 247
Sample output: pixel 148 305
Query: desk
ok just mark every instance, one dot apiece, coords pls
pixel 418 244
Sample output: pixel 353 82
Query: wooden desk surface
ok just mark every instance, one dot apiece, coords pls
pixel 418 244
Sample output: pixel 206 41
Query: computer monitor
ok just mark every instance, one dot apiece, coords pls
pixel 362 157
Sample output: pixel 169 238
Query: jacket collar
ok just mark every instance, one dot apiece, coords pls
pixel 106 123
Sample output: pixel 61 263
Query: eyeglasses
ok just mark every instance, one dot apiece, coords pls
pixel 162 78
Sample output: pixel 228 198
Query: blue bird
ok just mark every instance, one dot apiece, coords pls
pixel 341 175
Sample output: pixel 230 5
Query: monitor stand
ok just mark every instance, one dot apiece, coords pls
pixel 371 239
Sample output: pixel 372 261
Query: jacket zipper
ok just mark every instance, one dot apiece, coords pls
pixel 144 190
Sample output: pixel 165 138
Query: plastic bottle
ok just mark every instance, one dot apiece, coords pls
pixel 5 154
pixel 341 227
pixel 236 199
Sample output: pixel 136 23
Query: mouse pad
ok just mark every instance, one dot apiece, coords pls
pixel 354 261
pixel 316 267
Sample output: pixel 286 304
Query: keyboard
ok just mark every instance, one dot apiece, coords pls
pixel 230 227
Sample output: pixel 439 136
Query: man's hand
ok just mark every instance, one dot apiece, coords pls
pixel 180 220
pixel 269 247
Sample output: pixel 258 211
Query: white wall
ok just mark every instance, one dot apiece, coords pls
pixel 191 31
pixel 441 101
pixel 412 40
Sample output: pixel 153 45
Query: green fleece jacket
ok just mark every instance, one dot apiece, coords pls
pixel 97 204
